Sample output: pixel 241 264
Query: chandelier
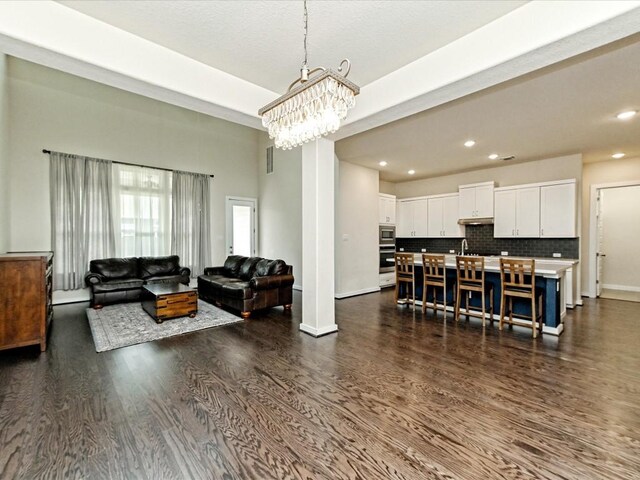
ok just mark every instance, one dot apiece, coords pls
pixel 313 106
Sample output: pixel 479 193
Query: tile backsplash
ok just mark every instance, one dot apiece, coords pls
pixel 481 241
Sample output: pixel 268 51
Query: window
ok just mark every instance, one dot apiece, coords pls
pixel 142 211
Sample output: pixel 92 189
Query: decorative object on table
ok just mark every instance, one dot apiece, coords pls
pixel 125 324
pixel 470 279
pixel 114 280
pixel 405 275
pixel 517 277
pixel 313 108
pixel 248 284
pixel 168 301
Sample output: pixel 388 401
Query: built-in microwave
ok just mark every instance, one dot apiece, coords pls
pixel 387 235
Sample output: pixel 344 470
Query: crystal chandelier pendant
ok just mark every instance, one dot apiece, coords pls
pixel 312 109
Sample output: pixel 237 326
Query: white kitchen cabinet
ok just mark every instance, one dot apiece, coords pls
pixel 412 218
pixel 387 209
pixel 476 200
pixel 517 213
pixel 558 210
pixel 442 216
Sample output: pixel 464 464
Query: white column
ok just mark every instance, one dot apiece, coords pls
pixel 318 173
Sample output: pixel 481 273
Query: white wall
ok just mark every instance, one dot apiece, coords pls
pixel 504 175
pixel 280 206
pixel 620 209
pixel 356 230
pixel 54 110
pixel 610 171
pixel 4 155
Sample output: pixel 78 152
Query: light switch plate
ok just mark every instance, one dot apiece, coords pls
pixel 504 254
pixel 557 255
pixel 452 251
pixel 401 249
pixel 423 250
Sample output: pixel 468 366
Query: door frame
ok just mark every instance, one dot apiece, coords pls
pixel 228 238
pixel 593 229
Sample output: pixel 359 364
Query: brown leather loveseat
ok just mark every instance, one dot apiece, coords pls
pixel 248 284
pixel 115 280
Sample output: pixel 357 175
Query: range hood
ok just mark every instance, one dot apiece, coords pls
pixel 476 221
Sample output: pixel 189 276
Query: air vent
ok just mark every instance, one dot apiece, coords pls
pixel 510 157
pixel 269 160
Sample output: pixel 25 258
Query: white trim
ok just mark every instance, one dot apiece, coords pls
pixel 553 330
pixel 318 332
pixel 60 297
pixel 480 184
pixel 297 287
pixel 624 288
pixel 357 292
pixel 538 184
pixel 593 231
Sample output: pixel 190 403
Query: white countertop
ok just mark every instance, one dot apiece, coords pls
pixel 547 267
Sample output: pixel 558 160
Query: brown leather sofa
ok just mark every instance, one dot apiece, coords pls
pixel 248 284
pixel 115 280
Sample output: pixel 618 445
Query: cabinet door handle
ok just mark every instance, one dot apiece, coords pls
pixel 518 232
pixel 513 232
pixel 542 231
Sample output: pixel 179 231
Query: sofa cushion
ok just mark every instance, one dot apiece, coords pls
pixel 239 290
pixel 158 266
pixel 277 267
pixel 248 268
pixel 165 279
pixel 118 285
pixel 115 268
pixel 262 268
pixel 232 265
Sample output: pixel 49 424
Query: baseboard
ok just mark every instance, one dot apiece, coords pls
pixel 357 292
pixel 318 332
pixel 553 330
pixel 297 287
pixel 624 288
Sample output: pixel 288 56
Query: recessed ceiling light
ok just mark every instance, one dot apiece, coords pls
pixel 626 115
pixel 411 172
pixel 493 156
pixel 617 155
pixel 469 143
pixel 382 163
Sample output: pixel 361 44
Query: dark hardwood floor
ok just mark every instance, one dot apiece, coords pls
pixel 393 395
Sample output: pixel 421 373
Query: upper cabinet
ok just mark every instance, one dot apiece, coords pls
pixel 558 210
pixel 545 210
pixel 517 212
pixel 476 200
pixel 412 218
pixel 387 209
pixel 442 216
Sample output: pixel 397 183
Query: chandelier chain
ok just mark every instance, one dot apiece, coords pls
pixel 305 33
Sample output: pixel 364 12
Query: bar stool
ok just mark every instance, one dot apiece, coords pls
pixel 518 278
pixel 435 276
pixel 470 276
pixel 405 273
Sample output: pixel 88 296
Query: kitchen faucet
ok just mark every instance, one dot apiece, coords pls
pixel 464 244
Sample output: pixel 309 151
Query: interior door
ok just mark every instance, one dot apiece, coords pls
pixel 241 226
pixel 600 255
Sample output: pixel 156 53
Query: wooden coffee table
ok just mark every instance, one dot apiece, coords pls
pixel 165 301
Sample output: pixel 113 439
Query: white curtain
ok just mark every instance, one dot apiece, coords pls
pixel 81 216
pixel 190 237
pixel 142 211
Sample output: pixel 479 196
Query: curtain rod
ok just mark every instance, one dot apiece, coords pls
pixel 44 150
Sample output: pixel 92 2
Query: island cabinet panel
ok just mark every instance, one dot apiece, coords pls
pixel 26 310
pixel 558 210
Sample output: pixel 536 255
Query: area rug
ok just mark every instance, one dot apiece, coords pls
pixel 124 324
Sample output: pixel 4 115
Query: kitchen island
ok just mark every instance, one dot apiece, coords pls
pixel 550 276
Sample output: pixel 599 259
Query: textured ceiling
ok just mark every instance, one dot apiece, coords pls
pixel 565 109
pixel 261 41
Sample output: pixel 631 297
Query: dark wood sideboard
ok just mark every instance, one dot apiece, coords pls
pixel 26 310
